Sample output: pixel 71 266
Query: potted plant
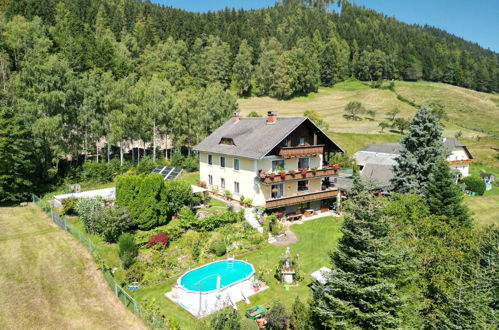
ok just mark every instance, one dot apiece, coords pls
pixel 272 175
pixel 304 171
pixel 292 172
pixel 282 173
pixel 314 170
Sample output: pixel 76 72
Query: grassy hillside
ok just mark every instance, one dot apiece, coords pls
pixel 469 111
pixel 48 280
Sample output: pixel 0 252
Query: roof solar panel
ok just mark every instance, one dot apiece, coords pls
pixel 168 173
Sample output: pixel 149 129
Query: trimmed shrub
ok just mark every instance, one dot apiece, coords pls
pixel 161 239
pixel 127 250
pixel 68 205
pixel 218 248
pixel 96 172
pixel 475 184
pixel 112 222
pixel 127 189
pixel 89 210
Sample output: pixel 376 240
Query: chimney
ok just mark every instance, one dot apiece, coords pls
pixel 236 116
pixel 271 117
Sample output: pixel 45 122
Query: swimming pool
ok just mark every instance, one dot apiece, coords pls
pixel 208 288
pixel 206 278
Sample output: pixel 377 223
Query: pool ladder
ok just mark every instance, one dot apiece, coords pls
pixel 230 261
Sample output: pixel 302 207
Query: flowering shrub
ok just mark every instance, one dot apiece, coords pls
pixel 158 239
pixel 278 317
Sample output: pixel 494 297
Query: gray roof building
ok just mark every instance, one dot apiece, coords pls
pixel 254 138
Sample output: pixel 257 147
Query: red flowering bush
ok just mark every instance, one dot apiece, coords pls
pixel 157 239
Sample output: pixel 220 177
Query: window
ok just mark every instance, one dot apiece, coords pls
pixel 302 141
pixel 227 141
pixel 222 161
pixel 210 180
pixel 222 183
pixel 303 185
pixel 277 165
pixel 236 164
pixel 236 187
pixel 277 190
pixel 303 163
pixel 210 159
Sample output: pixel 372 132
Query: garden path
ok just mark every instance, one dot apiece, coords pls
pixel 249 215
pixel 291 238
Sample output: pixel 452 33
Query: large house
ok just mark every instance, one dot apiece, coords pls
pixel 375 161
pixel 282 164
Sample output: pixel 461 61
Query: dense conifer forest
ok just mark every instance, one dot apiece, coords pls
pixel 75 71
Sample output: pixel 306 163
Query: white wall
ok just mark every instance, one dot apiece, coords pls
pixel 458 154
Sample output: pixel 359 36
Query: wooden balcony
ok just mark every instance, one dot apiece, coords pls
pixel 459 162
pixel 301 151
pixel 298 176
pixel 301 198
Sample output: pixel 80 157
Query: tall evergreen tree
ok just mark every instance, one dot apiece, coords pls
pixel 362 293
pixel 242 69
pixel 17 168
pixel 422 149
pixel 444 196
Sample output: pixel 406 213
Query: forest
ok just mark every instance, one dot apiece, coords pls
pixel 74 73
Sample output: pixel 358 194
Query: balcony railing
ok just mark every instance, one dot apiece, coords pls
pixel 300 198
pixel 301 151
pixel 459 162
pixel 298 175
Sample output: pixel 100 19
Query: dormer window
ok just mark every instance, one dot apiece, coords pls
pixel 227 141
pixel 302 141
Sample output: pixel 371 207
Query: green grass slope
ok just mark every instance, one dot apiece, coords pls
pixel 469 111
pixel 49 281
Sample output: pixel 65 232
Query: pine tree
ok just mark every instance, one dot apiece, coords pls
pixel 421 151
pixel 362 293
pixel 299 315
pixel 16 162
pixel 444 196
pixel 242 69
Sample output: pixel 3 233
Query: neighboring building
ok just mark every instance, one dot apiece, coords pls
pixel 375 161
pixel 255 157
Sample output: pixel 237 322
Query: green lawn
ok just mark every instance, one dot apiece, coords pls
pixel 316 239
pixel 485 208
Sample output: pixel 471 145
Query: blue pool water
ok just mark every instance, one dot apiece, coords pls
pixel 229 271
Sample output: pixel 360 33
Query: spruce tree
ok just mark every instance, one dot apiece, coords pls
pixel 444 197
pixel 421 151
pixel 362 291
pixel 17 168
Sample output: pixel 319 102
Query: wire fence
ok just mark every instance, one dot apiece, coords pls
pixel 129 301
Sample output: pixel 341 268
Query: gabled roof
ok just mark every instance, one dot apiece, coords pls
pixel 395 147
pixel 253 137
pixel 379 174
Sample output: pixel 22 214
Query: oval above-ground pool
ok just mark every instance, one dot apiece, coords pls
pixel 205 278
pixel 208 288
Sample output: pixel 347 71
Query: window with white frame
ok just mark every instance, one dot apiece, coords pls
pixel 303 185
pixel 277 190
pixel 304 162
pixel 210 159
pixel 236 187
pixel 222 161
pixel 236 164
pixel 222 183
pixel 277 165
pixel 210 179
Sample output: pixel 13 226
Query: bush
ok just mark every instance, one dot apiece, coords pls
pixel 277 317
pixel 127 249
pixel 145 166
pixel 187 163
pixel 248 201
pixel 68 205
pixel 96 172
pixel 135 272
pixel 112 222
pixel 218 248
pixel 89 210
pixel 228 194
pixel 227 319
pixel 475 184
pixel 161 239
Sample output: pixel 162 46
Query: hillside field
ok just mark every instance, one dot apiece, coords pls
pixel 48 280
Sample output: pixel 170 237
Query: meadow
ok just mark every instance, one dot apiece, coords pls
pixel 49 279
